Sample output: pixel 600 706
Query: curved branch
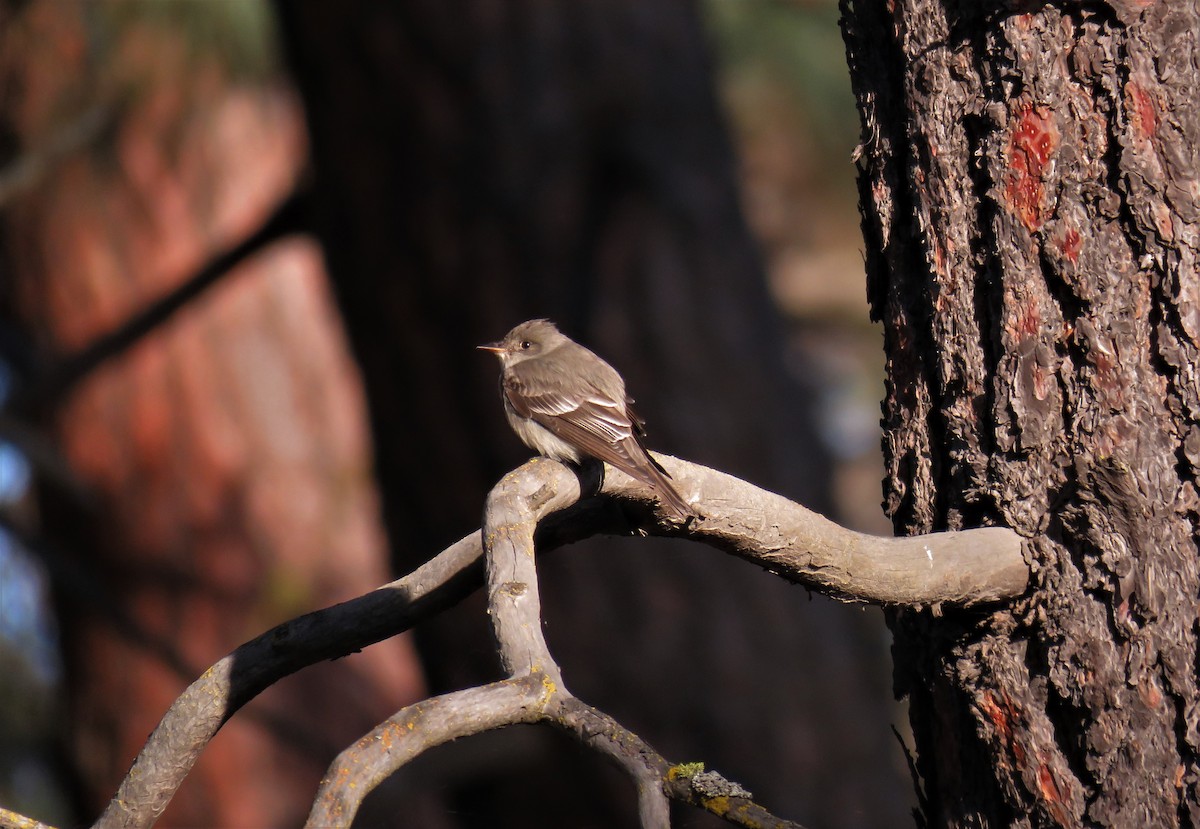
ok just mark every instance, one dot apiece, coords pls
pixel 195 717
pixel 415 729
pixel 532 698
pixel 515 507
pixel 958 568
pixel 534 691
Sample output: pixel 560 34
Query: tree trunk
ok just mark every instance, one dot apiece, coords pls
pixel 1028 182
pixel 218 472
pixel 479 164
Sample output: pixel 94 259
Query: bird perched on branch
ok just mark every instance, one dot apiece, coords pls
pixel 566 403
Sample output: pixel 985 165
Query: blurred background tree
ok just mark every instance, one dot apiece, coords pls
pixel 472 166
pixel 215 478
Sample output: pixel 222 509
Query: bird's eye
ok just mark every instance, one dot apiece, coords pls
pixel 526 344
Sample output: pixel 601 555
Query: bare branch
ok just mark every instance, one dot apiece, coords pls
pixel 412 730
pixel 207 703
pixel 514 508
pixel 12 820
pixel 532 698
pixel 713 793
pixel 957 568
pixel 960 568
pixel 655 776
pixel 535 691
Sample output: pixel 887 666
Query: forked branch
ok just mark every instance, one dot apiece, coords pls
pixel 534 693
pixel 950 569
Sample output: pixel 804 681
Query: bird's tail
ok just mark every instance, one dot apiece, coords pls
pixel 668 496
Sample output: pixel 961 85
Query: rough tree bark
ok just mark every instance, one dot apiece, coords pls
pixel 1031 207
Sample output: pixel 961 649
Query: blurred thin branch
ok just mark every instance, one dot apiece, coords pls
pixel 44 457
pixel 47 390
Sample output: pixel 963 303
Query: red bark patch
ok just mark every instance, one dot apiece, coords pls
pixel 999 717
pixel 1033 142
pixel 1072 243
pixel 1143 115
pixel 1047 785
pixel 939 258
pixel 1003 715
pixel 1052 797
pixel 1029 320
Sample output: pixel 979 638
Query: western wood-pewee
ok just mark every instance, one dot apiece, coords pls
pixel 566 403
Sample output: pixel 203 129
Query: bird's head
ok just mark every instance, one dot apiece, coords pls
pixel 529 339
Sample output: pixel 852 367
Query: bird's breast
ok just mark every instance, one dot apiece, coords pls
pixel 540 439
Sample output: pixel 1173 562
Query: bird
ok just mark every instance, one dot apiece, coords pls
pixel 568 404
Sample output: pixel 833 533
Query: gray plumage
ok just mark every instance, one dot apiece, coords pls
pixel 566 403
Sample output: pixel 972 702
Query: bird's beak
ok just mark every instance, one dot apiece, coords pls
pixel 495 348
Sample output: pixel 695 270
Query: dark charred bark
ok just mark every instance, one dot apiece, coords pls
pixel 479 164
pixel 1031 211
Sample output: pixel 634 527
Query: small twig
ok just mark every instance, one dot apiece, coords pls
pixel 597 730
pixel 44 458
pixel 921 812
pixel 655 776
pixel 713 793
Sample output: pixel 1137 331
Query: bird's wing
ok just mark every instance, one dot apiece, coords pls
pixel 601 426
pixel 589 419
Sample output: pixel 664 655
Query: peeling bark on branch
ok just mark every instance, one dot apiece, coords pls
pixel 960 568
